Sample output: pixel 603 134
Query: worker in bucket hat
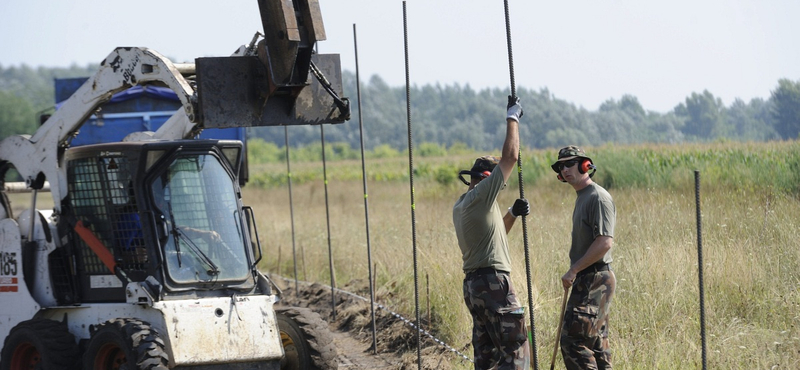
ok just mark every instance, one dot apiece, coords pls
pixel 499 337
pixel 584 334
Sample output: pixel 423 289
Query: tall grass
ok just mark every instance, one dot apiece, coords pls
pixel 749 165
pixel 751 246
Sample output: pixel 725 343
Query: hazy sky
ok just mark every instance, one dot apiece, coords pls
pixel 583 51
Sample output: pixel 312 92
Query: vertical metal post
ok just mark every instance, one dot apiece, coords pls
pixel 411 184
pixel 428 297
pixel 366 202
pixel 510 51
pixel 328 220
pixel 534 350
pixel 700 267
pixel 291 207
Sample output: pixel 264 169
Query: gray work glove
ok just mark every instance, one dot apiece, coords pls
pixel 514 109
pixel 521 207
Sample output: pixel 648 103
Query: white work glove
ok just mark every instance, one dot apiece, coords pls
pixel 521 207
pixel 514 109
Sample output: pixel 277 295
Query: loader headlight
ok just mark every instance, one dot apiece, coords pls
pixel 232 154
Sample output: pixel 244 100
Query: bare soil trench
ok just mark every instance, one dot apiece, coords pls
pixel 352 329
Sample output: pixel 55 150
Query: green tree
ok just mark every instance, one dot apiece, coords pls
pixel 260 151
pixel 621 122
pixel 786 108
pixel 751 122
pixel 16 115
pixel 703 114
pixel 664 128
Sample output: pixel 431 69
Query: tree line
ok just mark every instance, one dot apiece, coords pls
pixel 456 115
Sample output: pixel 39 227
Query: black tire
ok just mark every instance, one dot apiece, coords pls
pixel 307 341
pixel 125 344
pixel 39 344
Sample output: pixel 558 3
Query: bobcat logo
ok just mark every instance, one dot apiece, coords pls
pixel 127 72
pixel 115 64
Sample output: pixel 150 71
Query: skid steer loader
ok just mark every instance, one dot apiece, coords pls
pixel 148 259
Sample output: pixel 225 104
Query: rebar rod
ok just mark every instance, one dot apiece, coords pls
pixel 328 221
pixel 534 350
pixel 291 206
pixel 366 202
pixel 411 184
pixel 700 267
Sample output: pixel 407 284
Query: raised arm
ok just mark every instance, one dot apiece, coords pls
pixel 511 143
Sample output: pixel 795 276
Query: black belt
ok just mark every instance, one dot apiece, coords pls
pixel 597 267
pixel 484 271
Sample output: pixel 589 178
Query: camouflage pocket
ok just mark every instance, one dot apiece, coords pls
pixel 512 325
pixel 581 321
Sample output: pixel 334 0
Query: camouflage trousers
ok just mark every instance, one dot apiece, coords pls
pixel 499 337
pixel 584 336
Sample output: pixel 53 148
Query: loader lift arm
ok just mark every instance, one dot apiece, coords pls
pixel 125 67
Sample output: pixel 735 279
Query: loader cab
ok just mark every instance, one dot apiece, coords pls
pixel 167 213
pixel 198 223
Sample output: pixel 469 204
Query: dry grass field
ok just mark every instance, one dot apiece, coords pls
pixel 751 246
pixel 751 255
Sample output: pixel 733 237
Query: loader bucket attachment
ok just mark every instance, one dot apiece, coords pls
pixel 285 83
pixel 232 94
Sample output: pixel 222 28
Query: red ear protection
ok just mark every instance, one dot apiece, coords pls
pixel 585 166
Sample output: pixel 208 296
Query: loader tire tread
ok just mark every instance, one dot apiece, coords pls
pixel 142 346
pixel 315 333
pixel 52 340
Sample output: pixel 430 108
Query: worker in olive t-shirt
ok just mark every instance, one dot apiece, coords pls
pixel 499 337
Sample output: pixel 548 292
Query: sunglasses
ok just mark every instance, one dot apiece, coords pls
pixel 558 166
pixel 473 174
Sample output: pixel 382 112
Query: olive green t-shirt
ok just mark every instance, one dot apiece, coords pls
pixel 479 226
pixel 594 215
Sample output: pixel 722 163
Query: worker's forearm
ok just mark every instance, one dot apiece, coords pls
pixel 508 221
pixel 511 143
pixel 510 151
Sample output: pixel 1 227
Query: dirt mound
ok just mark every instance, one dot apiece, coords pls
pixel 396 339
